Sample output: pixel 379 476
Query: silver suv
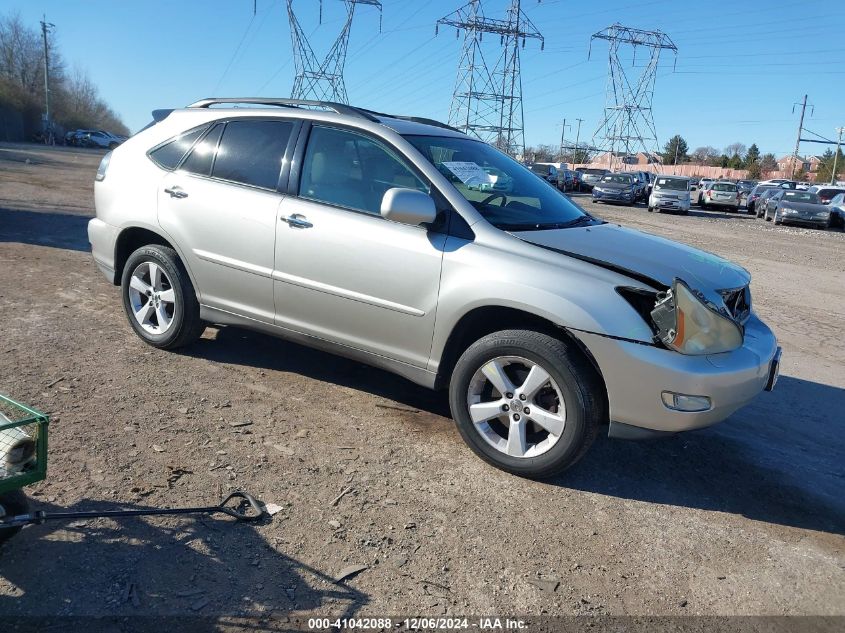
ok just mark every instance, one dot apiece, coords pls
pixel 383 238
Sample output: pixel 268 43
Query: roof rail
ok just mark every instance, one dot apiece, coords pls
pixel 339 108
pixel 414 119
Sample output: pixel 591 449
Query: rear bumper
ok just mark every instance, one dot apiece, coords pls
pixel 102 237
pixel 636 375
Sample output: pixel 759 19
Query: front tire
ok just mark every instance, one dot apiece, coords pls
pixel 526 402
pixel 159 298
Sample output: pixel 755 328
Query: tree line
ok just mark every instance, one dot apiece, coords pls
pixel 676 151
pixel 74 99
pixel 738 156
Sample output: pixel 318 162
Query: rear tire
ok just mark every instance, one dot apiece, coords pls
pixel 169 312
pixel 571 389
pixel 12 503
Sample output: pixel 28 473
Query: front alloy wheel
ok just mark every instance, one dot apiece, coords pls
pixel 516 406
pixel 526 402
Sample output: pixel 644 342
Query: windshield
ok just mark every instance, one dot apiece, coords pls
pixel 724 186
pixel 801 196
pixel 516 201
pixel 622 179
pixel 676 184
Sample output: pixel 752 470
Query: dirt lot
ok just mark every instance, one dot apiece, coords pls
pixel 744 518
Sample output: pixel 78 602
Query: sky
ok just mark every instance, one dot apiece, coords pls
pixel 740 68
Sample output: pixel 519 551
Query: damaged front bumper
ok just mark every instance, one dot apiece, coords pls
pixel 638 375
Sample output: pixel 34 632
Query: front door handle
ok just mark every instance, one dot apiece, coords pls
pixel 176 192
pixel 297 220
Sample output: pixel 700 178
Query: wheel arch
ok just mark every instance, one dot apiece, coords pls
pixel 484 320
pixel 131 238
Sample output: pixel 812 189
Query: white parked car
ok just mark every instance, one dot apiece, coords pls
pixel 721 194
pixel 670 193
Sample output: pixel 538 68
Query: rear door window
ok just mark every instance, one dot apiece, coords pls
pixel 251 152
pixel 201 158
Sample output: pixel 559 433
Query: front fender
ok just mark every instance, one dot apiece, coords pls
pixel 571 294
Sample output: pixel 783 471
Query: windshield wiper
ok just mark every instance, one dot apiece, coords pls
pixel 548 226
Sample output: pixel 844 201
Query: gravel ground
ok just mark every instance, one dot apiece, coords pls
pixel 743 518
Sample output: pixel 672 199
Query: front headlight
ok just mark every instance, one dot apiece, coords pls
pixel 787 210
pixel 687 324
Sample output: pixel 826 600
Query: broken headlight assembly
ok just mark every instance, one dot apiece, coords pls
pixel 687 323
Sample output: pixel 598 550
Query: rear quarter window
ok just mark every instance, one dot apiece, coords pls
pixel 170 154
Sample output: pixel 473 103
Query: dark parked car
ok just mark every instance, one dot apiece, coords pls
pixel 837 210
pixel 793 206
pixel 616 188
pixel 566 180
pixel 755 194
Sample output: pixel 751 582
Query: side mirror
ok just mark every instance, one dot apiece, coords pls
pixel 408 206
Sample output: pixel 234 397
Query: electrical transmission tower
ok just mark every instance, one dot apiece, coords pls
pixel 628 123
pixel 487 101
pixel 322 80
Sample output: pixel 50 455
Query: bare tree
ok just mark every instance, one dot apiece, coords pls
pixel 704 155
pixel 736 149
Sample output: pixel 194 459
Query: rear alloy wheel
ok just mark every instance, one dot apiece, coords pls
pixel 525 402
pixel 159 298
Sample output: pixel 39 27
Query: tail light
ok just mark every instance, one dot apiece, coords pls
pixel 708 193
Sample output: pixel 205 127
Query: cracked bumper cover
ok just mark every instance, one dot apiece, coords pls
pixel 636 375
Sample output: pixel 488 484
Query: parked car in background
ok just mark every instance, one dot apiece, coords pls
pixel 640 184
pixel 721 194
pixel 566 180
pixel 577 184
pixel 826 192
pixel 754 195
pixel 543 322
pixel 745 186
pixel 837 211
pixel 590 177
pixel 621 188
pixel 784 183
pixel 793 206
pixel 651 178
pixel 670 193
pixel 763 200
pixel 703 184
pixel 546 171
pixel 101 139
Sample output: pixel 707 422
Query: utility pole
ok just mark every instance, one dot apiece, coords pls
pixel 577 139
pixel 840 130
pixel 563 127
pixel 803 105
pixel 48 125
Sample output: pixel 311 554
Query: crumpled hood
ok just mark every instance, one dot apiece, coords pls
pixel 643 256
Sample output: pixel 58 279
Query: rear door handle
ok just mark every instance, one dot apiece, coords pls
pixel 297 220
pixel 176 192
